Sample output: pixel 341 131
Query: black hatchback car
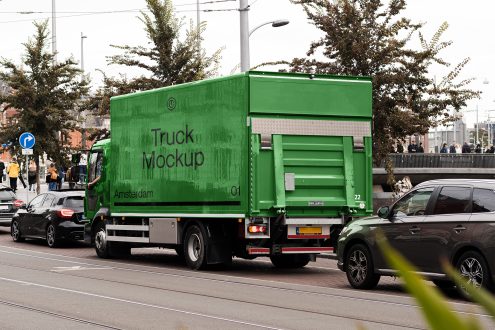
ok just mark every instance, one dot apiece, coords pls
pixel 54 216
pixel 451 218
pixel 8 205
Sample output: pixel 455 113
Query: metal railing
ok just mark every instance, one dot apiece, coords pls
pixel 442 160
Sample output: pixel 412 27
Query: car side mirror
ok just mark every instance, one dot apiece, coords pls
pixel 383 212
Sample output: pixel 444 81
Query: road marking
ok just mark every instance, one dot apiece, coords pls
pixel 64 269
pixel 240 278
pixel 138 303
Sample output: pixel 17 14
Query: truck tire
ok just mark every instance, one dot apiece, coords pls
pixel 195 247
pixel 101 244
pixel 290 260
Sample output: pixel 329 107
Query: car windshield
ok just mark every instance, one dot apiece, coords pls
pixel 6 195
pixel 76 202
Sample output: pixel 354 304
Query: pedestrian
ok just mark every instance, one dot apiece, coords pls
pixel 452 149
pixel 466 149
pixel 13 171
pixel 478 149
pixel 53 175
pixel 32 175
pixel 444 149
pixel 420 148
pixel 400 148
pixel 491 150
pixel 412 148
pixel 2 167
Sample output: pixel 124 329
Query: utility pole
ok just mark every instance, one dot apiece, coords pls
pixel 244 18
pixel 54 33
pixel 198 23
pixel 83 128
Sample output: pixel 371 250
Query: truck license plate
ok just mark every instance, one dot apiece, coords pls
pixel 308 230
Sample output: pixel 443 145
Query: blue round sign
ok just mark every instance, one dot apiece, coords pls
pixel 27 140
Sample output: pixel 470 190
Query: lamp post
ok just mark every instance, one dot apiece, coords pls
pixel 245 33
pixel 83 129
pixel 54 32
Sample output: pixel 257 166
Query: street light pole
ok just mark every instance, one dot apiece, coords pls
pixel 244 19
pixel 54 33
pixel 83 129
pixel 82 51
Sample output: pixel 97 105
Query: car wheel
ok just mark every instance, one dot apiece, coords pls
pixel 51 236
pixel 195 247
pixel 472 266
pixel 444 284
pixel 15 232
pixel 359 268
pixel 290 261
pixel 101 244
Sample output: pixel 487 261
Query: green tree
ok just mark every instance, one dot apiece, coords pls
pixel 169 60
pixel 368 38
pixel 45 93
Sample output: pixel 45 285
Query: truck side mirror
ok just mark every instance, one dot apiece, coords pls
pixel 383 212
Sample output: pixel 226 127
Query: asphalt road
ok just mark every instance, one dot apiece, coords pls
pixel 70 287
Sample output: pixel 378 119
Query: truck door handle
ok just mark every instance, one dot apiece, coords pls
pixel 459 228
pixel 414 230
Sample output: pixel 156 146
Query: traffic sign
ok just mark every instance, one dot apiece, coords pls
pixel 27 151
pixel 27 140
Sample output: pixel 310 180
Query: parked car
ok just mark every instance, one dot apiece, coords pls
pixel 53 216
pixel 9 205
pixel 451 218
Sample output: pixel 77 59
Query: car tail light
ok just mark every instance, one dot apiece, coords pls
pixel 257 229
pixel 18 203
pixel 65 213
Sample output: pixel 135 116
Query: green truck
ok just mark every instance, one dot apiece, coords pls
pixel 255 164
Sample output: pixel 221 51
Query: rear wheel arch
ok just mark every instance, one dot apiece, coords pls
pixel 465 249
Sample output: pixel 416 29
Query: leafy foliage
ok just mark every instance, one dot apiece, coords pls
pixel 44 93
pixel 368 38
pixel 170 60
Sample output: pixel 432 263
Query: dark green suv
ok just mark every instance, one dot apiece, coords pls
pixel 452 218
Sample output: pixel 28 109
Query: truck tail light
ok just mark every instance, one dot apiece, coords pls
pixel 65 213
pixel 257 228
pixel 18 203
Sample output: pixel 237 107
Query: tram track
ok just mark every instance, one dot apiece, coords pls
pixel 56 315
pixel 347 316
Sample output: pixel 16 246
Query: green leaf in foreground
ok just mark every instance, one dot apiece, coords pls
pixel 434 307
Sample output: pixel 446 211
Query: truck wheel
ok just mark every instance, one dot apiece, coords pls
pixel 195 247
pixel 101 244
pixel 290 260
pixel 359 268
pixel 180 251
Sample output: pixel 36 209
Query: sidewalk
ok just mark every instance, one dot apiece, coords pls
pixel 23 194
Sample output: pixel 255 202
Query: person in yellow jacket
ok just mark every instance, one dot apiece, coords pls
pixel 13 171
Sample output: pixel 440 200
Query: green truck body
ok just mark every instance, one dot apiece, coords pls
pixel 258 151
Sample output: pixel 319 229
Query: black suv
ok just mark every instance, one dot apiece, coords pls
pixel 451 218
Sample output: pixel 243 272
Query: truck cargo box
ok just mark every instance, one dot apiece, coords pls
pixel 253 144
